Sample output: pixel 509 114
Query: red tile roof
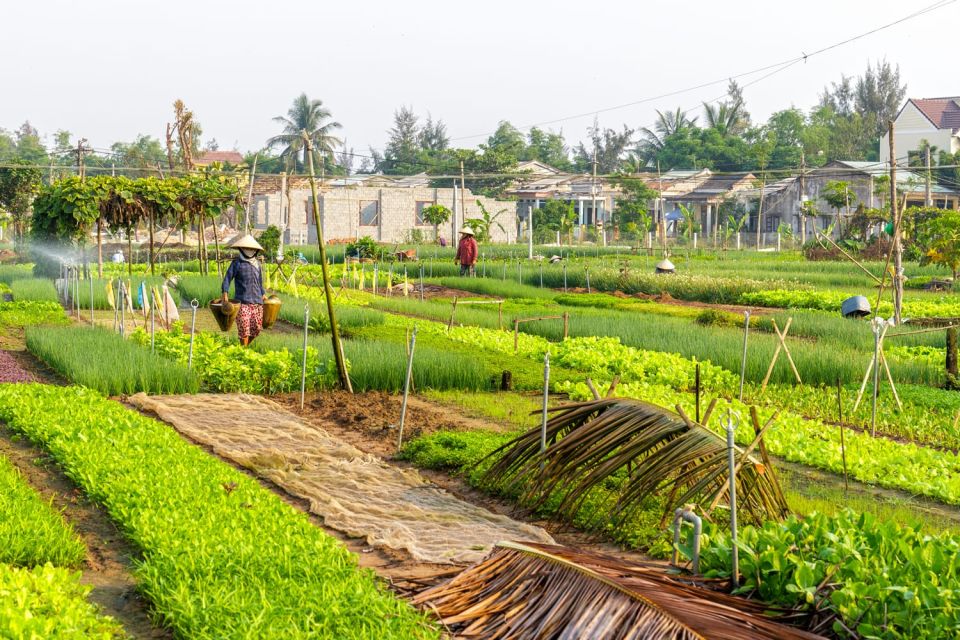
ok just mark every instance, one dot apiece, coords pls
pixel 944 113
pixel 209 157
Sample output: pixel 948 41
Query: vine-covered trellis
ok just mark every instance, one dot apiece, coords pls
pixel 69 210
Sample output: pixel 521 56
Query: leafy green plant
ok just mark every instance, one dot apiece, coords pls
pixel 16 315
pixel 222 556
pixel 436 214
pixel 31 532
pixel 50 602
pixel 365 247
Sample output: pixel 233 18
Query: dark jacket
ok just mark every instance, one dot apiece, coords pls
pixel 247 281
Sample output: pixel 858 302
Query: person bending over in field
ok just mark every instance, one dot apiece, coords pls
pixel 244 271
pixel 467 253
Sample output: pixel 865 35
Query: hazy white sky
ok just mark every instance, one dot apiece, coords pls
pixel 111 69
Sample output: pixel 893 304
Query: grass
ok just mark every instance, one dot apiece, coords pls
pixel 34 290
pixel 202 288
pixel 513 409
pixel 11 272
pixel 103 360
pixel 222 557
pixel 377 364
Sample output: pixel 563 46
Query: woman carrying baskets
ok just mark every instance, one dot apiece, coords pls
pixel 244 271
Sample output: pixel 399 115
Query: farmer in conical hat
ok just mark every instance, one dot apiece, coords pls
pixel 467 252
pixel 244 271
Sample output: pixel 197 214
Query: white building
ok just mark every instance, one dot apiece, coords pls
pixel 936 120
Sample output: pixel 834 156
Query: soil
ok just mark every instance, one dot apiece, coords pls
pixel 109 561
pixel 365 421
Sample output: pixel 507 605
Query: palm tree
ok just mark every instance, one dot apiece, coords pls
pixel 310 116
pixel 725 117
pixel 667 124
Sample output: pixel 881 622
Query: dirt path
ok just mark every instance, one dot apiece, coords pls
pixel 109 559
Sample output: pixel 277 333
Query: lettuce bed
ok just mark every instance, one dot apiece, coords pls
pixel 222 556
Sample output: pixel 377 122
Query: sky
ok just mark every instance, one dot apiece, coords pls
pixel 109 70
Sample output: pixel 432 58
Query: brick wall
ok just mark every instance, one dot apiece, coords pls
pixel 392 210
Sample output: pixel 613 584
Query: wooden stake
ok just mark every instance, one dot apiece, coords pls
pixel 843 446
pixel 334 330
pixel 593 389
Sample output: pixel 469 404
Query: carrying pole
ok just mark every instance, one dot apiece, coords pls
pixel 406 387
pixel 303 364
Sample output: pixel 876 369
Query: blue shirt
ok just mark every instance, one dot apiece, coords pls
pixel 247 281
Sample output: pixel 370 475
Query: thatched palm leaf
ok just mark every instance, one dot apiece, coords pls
pixel 546 591
pixel 646 450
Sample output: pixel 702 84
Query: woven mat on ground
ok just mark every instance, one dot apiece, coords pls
pixel 353 491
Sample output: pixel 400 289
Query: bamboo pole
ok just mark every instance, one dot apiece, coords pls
pixel 334 330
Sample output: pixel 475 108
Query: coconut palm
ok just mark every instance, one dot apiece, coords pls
pixel 666 125
pixel 725 117
pixel 310 116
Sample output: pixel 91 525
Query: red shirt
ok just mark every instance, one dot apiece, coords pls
pixel 467 251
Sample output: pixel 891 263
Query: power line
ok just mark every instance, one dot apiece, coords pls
pixel 777 67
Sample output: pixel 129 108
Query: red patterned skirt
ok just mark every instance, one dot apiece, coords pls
pixel 249 321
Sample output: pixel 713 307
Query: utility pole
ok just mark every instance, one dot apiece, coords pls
pixel 463 201
pixel 897 246
pixel 800 196
pixel 328 294
pixel 253 175
pixel 763 185
pixel 928 199
pixel 662 221
pixel 80 168
pixel 593 193
pixel 530 233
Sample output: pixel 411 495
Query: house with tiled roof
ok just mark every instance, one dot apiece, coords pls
pixel 936 120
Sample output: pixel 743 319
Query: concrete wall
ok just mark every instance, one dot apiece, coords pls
pixel 393 210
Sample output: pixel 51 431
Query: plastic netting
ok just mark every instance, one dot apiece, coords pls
pixel 353 491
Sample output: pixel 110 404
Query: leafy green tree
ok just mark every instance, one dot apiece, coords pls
pixel 313 118
pixel 839 195
pixel 633 207
pixel 143 151
pixel 547 147
pixel 879 94
pixel 433 135
pixel 653 141
pixel 553 216
pixel 19 183
pixel 402 154
pixel 8 146
pixel 270 241
pixel 436 214
pixel 506 140
pixel 940 237
pixel 29 147
pixel 608 146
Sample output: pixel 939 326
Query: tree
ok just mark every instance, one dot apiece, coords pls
pixel 144 151
pixel 940 236
pixel 310 116
pixel 785 132
pixel 402 154
pixel 436 214
pixel 633 207
pixel 669 123
pixel 29 147
pixel 553 216
pixel 608 148
pixel 19 184
pixel 880 94
pixel 839 195
pixel 507 140
pixel 547 147
pixel 433 135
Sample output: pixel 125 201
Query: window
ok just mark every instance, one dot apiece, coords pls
pixel 771 223
pixel 369 213
pixel 421 205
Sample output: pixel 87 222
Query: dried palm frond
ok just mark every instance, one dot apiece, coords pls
pixel 635 449
pixel 546 591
